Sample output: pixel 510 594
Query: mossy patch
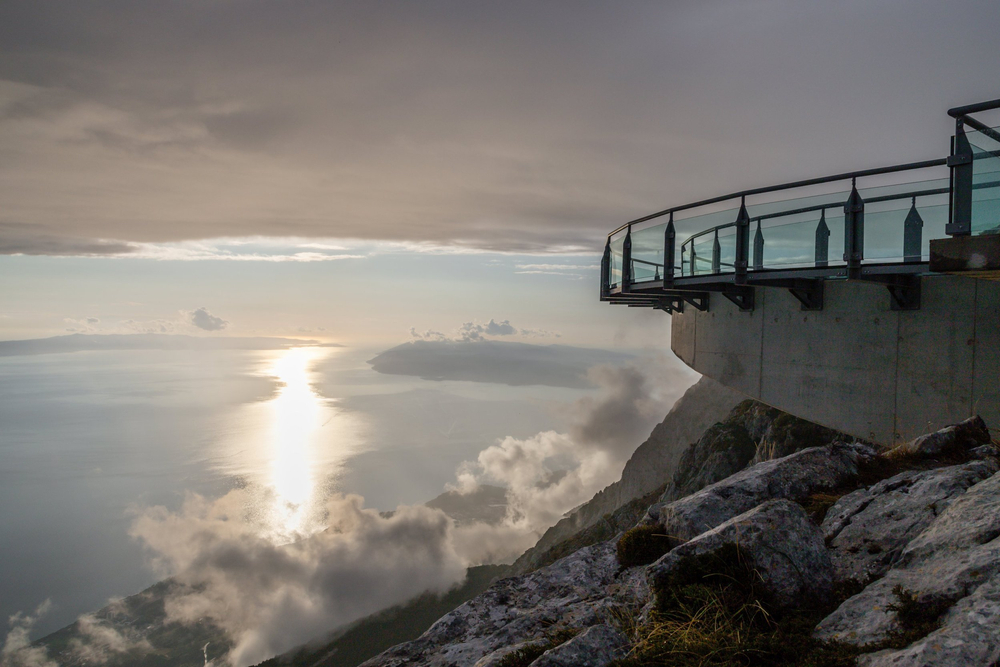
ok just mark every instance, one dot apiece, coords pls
pixel 917 617
pixel 528 653
pixel 643 545
pixel 714 611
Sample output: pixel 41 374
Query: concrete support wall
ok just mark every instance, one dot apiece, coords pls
pixel 857 366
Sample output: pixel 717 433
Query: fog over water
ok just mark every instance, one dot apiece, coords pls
pixel 90 439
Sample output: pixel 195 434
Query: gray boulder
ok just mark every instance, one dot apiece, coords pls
pixel 576 592
pixel 752 432
pixel 969 635
pixel 954 439
pixel 785 547
pixel 868 529
pixel 792 477
pixel 953 557
pixel 594 647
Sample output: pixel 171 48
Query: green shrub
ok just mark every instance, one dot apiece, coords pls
pixel 643 545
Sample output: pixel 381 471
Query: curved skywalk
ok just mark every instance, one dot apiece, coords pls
pixel 874 225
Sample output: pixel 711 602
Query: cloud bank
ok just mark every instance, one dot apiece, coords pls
pixel 93 643
pixel 551 473
pixel 269 597
pixel 524 126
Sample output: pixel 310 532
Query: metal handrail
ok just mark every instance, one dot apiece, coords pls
pixel 958 112
pixel 808 209
pixel 787 186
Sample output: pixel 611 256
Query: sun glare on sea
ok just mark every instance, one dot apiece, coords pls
pixel 290 445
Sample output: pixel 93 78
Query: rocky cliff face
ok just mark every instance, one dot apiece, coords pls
pixel 652 463
pixel 747 433
pixel 834 554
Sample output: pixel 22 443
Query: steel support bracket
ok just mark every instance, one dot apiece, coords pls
pixel 904 290
pixel 809 293
pixel 742 296
pixel 697 299
pixel 670 304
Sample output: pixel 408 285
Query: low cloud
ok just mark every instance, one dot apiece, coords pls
pixel 269 596
pixel 93 643
pixel 206 321
pixel 82 325
pixel 472 331
pixel 427 335
pixel 551 473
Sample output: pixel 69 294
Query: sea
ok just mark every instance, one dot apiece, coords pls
pixel 89 439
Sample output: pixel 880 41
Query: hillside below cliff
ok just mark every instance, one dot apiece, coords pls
pixel 834 554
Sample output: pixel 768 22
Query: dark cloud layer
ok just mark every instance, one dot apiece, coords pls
pixel 516 125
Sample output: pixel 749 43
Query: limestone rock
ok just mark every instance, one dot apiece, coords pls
pixel 752 432
pixel 970 635
pixel 949 560
pixel 868 529
pixel 594 647
pixel 575 592
pixel 787 434
pixel 725 448
pixel 793 477
pixel 787 551
pixel 957 438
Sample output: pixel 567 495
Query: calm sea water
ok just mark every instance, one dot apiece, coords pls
pixel 88 437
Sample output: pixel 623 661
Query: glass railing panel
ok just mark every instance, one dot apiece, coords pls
pixel 784 206
pixel 647 253
pixel 985 183
pixel 688 226
pixel 790 241
pixel 617 246
pixel 901 219
pixel 901 229
pixel 727 250
pixel 700 255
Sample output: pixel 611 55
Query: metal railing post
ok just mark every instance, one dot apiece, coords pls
pixel 758 249
pixel 913 227
pixel 960 203
pixel 854 232
pixel 716 254
pixel 669 241
pixel 742 243
pixel 822 242
pixel 627 260
pixel 606 270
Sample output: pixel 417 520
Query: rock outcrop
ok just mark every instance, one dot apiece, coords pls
pixel 784 547
pixel 958 553
pixel 924 540
pixel 793 477
pixel 575 593
pixel 868 529
pixel 747 433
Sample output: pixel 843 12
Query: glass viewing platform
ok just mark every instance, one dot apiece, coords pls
pixel 874 225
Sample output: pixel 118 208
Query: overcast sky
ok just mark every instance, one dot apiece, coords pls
pixel 506 126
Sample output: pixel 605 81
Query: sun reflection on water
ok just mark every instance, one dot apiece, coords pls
pixel 288 447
